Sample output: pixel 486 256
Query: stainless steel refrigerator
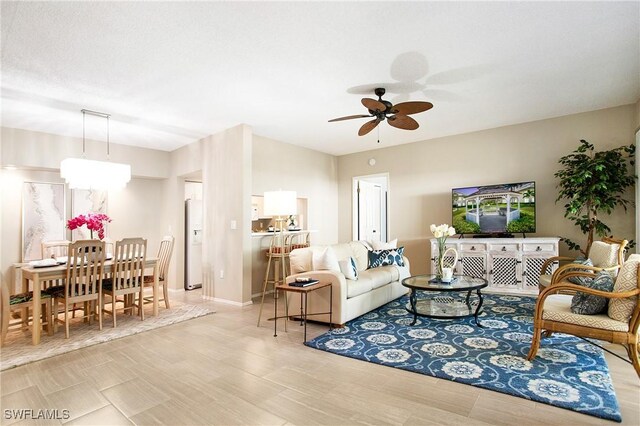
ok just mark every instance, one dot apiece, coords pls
pixel 193 245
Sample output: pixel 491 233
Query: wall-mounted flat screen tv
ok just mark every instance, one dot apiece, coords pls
pixel 495 209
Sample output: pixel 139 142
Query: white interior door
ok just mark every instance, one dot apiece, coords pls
pixel 369 215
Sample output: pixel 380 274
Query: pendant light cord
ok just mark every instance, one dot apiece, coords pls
pixel 83 135
pixel 98 114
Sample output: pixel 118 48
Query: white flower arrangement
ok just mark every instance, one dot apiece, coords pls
pixel 442 231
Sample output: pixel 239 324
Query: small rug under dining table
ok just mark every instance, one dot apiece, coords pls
pixel 18 349
pixel 568 372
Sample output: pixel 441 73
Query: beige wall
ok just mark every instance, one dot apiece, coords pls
pixel 422 174
pixel 45 151
pixel 637 116
pixel 134 210
pixel 312 174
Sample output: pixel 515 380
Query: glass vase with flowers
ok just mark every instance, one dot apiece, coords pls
pixel 441 232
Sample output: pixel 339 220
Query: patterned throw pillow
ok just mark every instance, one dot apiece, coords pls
pixel 589 304
pixel 349 269
pixel 386 257
pixel 621 309
pixel 583 281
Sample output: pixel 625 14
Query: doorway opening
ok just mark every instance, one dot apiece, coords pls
pixel 193 235
pixel 371 207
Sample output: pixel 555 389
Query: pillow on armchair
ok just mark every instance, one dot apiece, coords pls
pixel 590 304
pixel 583 281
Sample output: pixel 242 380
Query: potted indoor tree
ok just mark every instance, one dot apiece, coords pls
pixel 594 183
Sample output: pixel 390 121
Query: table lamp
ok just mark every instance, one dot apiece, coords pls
pixel 280 205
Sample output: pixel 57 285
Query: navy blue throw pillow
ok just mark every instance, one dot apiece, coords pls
pixel 386 257
pixel 590 304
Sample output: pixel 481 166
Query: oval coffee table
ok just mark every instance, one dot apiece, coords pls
pixel 440 307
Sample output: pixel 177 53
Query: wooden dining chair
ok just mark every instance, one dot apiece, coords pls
pixel 53 249
pixel 22 302
pixel 83 282
pixel 126 278
pixel 164 258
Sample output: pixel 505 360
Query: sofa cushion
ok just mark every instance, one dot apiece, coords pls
pixel 621 309
pixel 300 260
pixel 361 286
pixel 379 245
pixel 590 304
pixel 380 276
pixel 348 268
pixel 557 307
pixel 353 249
pixel 379 258
pixel 325 259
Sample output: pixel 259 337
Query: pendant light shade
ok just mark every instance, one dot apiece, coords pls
pixel 88 174
pixel 81 173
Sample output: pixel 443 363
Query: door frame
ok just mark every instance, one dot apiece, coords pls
pixel 354 203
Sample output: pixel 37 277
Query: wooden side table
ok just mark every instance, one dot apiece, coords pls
pixel 304 294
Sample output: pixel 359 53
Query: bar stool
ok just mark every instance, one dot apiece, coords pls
pixel 277 253
pixel 298 240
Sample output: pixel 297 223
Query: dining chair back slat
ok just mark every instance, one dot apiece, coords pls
pixel 55 249
pixel 83 283
pixel 127 277
pixel 164 256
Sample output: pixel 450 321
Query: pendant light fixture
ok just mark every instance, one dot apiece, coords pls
pixel 81 173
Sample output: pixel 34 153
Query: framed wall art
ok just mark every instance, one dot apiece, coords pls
pixel 43 217
pixel 85 201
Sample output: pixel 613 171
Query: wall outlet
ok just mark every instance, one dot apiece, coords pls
pixel 234 224
pixel 221 273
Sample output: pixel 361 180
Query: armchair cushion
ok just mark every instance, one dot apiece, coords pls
pixel 590 304
pixel 604 255
pixel 583 281
pixel 621 309
pixel 557 307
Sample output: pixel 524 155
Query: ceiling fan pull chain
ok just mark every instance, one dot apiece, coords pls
pixel 378 134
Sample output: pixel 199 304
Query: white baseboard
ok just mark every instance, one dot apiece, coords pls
pixel 227 302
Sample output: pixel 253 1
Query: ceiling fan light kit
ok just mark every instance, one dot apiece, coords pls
pixel 396 115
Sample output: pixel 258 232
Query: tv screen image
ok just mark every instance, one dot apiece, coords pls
pixel 495 209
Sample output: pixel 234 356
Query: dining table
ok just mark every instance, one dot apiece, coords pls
pixel 40 275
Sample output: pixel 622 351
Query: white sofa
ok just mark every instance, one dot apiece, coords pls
pixel 351 298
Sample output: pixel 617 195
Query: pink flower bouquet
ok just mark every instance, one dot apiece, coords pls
pixel 93 221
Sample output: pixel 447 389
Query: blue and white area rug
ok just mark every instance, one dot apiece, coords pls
pixel 567 372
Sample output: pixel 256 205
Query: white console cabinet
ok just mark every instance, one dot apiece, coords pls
pixel 510 265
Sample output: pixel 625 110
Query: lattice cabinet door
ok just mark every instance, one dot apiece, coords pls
pixel 531 264
pixel 504 271
pixel 473 264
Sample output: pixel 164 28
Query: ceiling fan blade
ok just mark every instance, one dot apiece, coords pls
pixel 403 122
pixel 368 126
pixel 350 117
pixel 373 105
pixel 414 107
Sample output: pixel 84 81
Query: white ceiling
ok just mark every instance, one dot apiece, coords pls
pixel 171 73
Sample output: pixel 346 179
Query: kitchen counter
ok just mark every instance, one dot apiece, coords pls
pixel 287 232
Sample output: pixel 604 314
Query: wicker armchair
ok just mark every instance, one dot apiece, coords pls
pixel 618 325
pixel 606 254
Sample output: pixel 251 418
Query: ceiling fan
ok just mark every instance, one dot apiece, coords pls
pixel 396 115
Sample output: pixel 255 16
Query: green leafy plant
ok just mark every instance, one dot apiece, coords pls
pixel 593 183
